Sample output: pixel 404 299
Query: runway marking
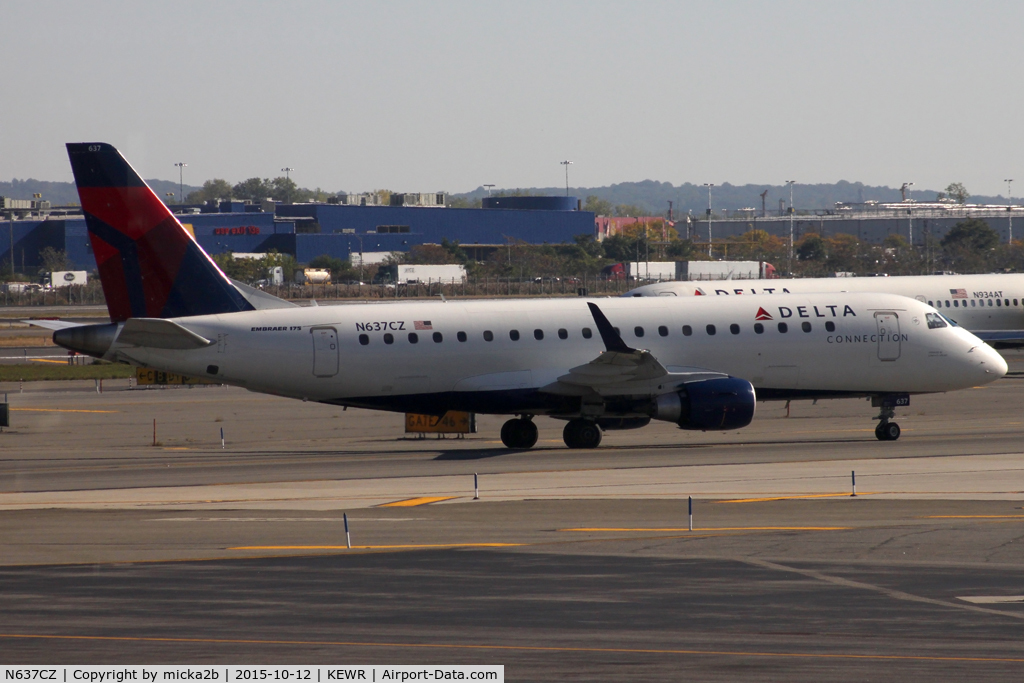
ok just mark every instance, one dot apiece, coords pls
pixel 415 502
pixel 377 547
pixel 813 495
pixel 61 410
pixel 522 648
pixel 44 360
pixel 732 528
pixel 990 599
pixel 973 517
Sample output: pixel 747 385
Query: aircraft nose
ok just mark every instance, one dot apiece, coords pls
pixel 990 362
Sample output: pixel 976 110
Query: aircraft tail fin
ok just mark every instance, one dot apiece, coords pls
pixel 150 266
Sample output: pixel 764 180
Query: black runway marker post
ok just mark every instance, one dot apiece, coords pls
pixel 348 538
pixel 853 480
pixel 690 507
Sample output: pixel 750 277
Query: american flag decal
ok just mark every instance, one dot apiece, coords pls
pixel 958 293
pixel 421 325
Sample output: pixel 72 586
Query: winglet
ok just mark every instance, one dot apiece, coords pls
pixel 612 340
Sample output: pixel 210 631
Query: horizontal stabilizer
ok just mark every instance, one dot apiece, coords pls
pixel 158 333
pixel 53 324
pixel 259 299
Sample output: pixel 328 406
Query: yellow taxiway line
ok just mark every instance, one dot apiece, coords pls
pixel 377 547
pixel 813 495
pixel 733 528
pixel 415 502
pixel 61 410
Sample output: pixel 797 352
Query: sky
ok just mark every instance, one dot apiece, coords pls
pixel 448 96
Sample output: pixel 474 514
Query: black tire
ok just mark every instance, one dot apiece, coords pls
pixel 891 431
pixel 570 434
pixel 508 433
pixel 589 435
pixel 527 434
pixel 879 434
pixel 581 434
pixel 519 433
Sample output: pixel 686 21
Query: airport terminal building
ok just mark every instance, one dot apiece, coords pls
pixel 309 230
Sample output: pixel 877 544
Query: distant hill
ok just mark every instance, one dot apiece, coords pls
pixel 58 193
pixel 653 196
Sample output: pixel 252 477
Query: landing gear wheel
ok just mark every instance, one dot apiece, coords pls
pixel 519 433
pixel 581 434
pixel 890 431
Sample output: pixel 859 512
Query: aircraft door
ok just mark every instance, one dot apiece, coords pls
pixel 325 351
pixel 888 324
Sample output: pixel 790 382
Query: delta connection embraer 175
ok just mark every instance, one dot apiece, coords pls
pixel 991 306
pixel 599 365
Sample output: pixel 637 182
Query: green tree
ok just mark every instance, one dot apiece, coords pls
pixel 811 248
pixel 212 190
pixel 254 189
pixel 599 207
pixel 53 259
pixel 972 234
pixel 629 210
pixel 958 192
pixel 339 268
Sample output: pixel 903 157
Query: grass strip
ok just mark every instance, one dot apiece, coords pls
pixel 35 373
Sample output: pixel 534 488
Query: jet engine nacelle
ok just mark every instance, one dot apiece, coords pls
pixel 716 404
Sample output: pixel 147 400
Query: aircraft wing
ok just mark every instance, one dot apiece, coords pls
pixel 621 370
pixel 54 324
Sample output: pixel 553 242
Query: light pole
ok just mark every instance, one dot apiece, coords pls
pixel 181 182
pixel 566 164
pixel 910 219
pixel 286 170
pixel 488 186
pixel 792 215
pixel 709 186
pixel 1009 201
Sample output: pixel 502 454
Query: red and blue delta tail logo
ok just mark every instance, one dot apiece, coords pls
pixel 763 314
pixel 149 265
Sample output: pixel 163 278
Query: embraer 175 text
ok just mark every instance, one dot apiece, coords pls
pixel 610 364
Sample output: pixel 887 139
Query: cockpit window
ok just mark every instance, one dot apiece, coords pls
pixel 935 321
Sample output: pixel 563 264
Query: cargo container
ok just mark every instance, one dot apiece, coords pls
pixel 413 273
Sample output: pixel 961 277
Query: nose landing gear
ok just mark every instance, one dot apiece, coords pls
pixel 519 432
pixel 887 431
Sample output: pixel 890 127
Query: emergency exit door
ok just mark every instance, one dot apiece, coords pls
pixel 325 351
pixel 888 324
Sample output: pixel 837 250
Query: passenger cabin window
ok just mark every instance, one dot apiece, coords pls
pixel 513 335
pixel 711 329
pixel 947 303
pixel 687 330
pixel 990 303
pixel 783 327
pixel 999 302
pixel 461 336
pixel 734 328
pixel 438 338
pixel 364 339
pixel 935 321
pixel 638 331
pixel 930 303
pixel 488 335
pixel 663 331
pixel 1014 302
pixel 413 338
pixel 389 338
pixel 758 328
pixel 831 326
pixel 538 334
pixel 974 303
pixel 805 326
pixel 563 333
pixel 587 334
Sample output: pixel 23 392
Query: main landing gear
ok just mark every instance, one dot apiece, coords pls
pixel 519 432
pixel 887 431
pixel 581 434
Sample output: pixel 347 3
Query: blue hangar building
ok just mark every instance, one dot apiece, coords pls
pixel 309 230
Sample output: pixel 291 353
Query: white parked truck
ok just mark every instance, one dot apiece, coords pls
pixel 724 270
pixel 414 273
pixel 65 278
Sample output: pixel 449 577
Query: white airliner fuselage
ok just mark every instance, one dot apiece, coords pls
pixel 466 354
pixel 978 302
